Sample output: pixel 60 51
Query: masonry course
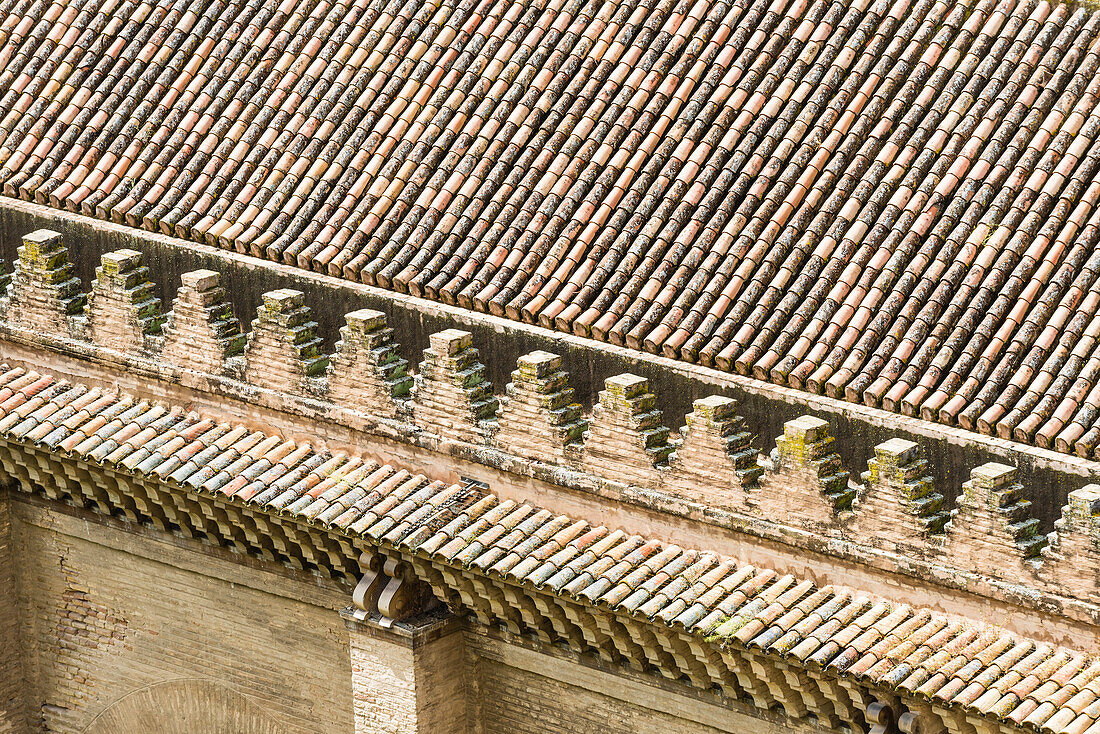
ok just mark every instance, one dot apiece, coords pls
pixel 270 457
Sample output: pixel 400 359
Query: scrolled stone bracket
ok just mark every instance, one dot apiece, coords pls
pixel 390 588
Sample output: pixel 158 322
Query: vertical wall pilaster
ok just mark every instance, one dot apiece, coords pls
pixel 408 677
pixel 12 711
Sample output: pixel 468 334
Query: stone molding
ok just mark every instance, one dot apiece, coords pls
pixel 715 464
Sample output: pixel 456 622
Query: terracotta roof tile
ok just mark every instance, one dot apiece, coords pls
pixel 891 203
pixel 978 667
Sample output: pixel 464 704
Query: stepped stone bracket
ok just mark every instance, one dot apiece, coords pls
pixel 626 440
pixel 44 292
pixel 805 452
pixel 453 396
pixel 283 348
pixel 540 419
pixel 992 525
pixel 202 332
pixel 717 453
pixel 1073 553
pixel 900 496
pixel 122 309
pixel 366 371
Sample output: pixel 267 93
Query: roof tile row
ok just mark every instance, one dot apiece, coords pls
pixel 982 668
pixel 889 202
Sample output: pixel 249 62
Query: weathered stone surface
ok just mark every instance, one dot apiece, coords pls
pixel 366 372
pixel 808 486
pixel 12 687
pixel 540 419
pixel 408 678
pixel 44 291
pixel 1073 555
pixel 122 309
pixel 899 507
pixel 283 348
pixel 992 530
pixel 452 397
pixel 202 332
pixel 717 459
pixel 626 440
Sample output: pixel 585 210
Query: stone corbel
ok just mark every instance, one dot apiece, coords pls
pixel 390 589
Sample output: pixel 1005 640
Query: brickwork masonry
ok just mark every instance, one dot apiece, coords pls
pixel 12 714
pixel 715 461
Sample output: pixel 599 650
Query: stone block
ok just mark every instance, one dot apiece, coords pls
pixel 366 372
pixel 283 349
pixel 453 398
pixel 202 333
pixel 900 507
pixel 626 440
pixel 540 419
pixel 122 310
pixel 1073 555
pixel 808 486
pixel 407 678
pixel 991 529
pixel 717 460
pixel 44 292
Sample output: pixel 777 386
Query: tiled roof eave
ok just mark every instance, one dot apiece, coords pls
pixel 739 616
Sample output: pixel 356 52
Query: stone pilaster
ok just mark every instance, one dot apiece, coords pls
pixel 12 706
pixel 202 332
pixel 991 529
pixel 625 439
pixel 122 309
pixel 900 507
pixel 540 418
pixel 1073 556
pixel 44 291
pixel 407 677
pixel 283 348
pixel 809 486
pixel 366 372
pixel 717 458
pixel 453 396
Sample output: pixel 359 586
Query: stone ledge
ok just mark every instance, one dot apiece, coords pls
pixel 411 633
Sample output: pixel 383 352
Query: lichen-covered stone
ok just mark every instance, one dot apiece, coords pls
pixel 44 292
pixel 122 309
pixel 202 332
pixel 992 530
pixel 900 505
pixel 366 372
pixel 283 348
pixel 808 486
pixel 540 418
pixel 717 459
pixel 453 397
pixel 1073 554
pixel 626 440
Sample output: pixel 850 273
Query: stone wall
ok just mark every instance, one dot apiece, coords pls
pixel 521 691
pixel 951 452
pixel 623 450
pixel 107 614
pixel 133 630
pixel 11 657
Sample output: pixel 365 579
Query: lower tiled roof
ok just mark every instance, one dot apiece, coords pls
pixel 889 202
pixel 979 667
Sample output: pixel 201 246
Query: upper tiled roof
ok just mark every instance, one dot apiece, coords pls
pixel 978 667
pixel 891 202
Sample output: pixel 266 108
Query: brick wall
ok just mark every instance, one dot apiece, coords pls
pixel 11 674
pixel 520 690
pixel 140 631
pixel 401 687
pixel 110 616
